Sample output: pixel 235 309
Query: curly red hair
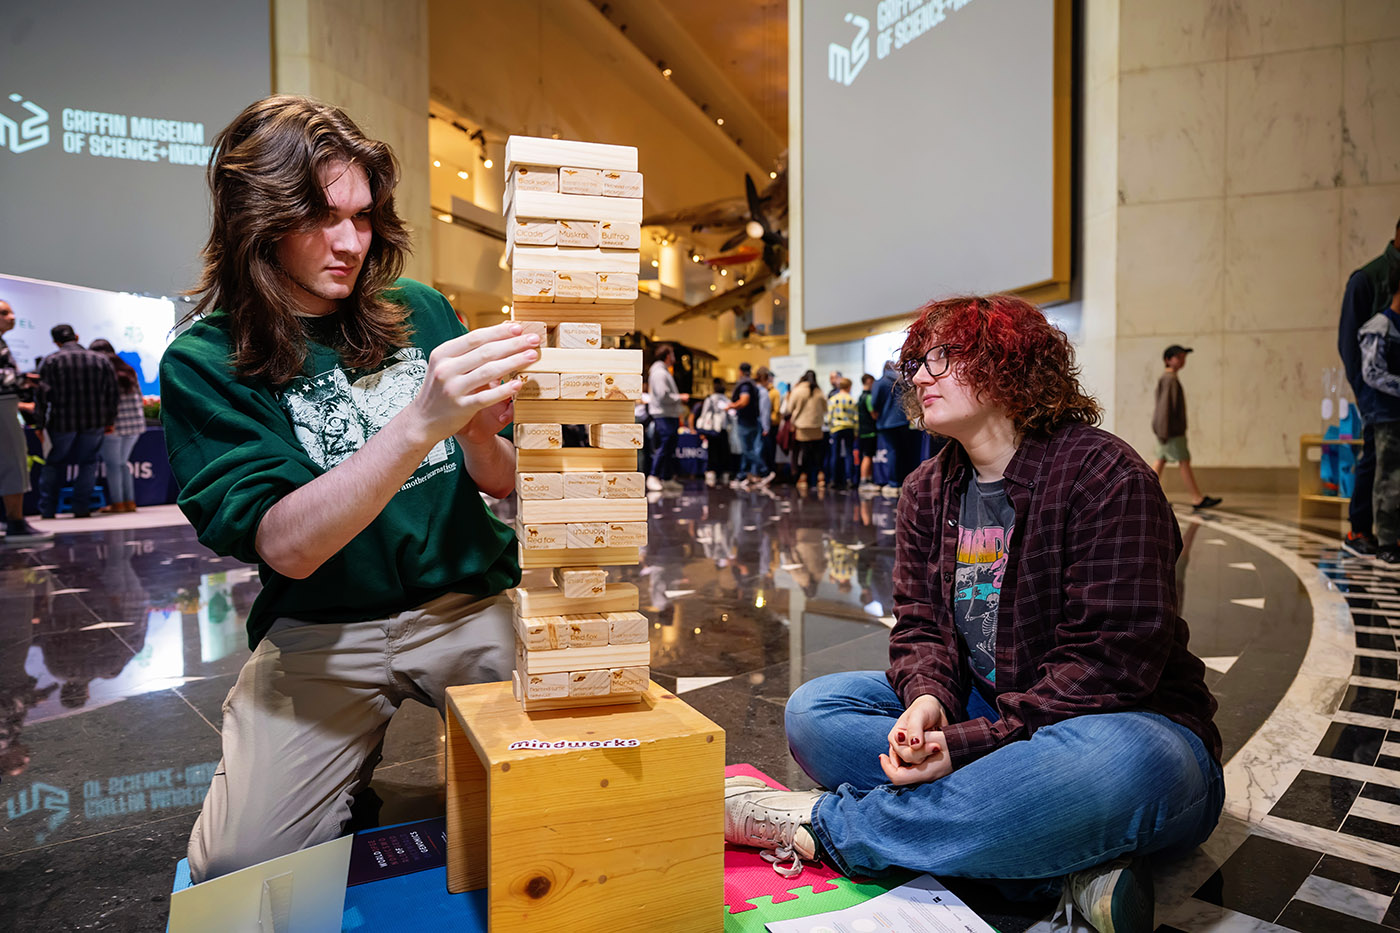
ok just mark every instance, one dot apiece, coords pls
pixel 1009 354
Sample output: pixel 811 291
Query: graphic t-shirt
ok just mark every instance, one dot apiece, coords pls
pixel 985 523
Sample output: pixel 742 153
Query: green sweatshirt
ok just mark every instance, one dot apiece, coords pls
pixel 237 447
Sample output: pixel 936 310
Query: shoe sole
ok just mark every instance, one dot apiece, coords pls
pixel 1131 914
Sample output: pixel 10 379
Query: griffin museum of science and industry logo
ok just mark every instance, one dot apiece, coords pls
pixel 897 23
pixel 106 135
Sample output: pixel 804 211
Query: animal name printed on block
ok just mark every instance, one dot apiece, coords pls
pixel 535 232
pixel 585 659
pixel 615 436
pixel 542 151
pixel 617 287
pixel 576 233
pixel 594 509
pixel 543 632
pixel 580 181
pixel 537 178
pixel 626 628
pixel 532 601
pixel 539 436
pixel 543 386
pixel 538 328
pixel 588 631
pixel 630 679
pixel 583 486
pixel 574 259
pixel 622 386
pixel 555 360
pixel 580 386
pixel 624 486
pixel 540 485
pixel 581 583
pixel 546 686
pixel 622 184
pixel 576 335
pixel 620 235
pixel 627 534
pixel 534 285
pixel 586 535
pixel 576 285
pixel 590 683
pixel 545 537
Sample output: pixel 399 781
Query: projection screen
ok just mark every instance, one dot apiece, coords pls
pixel 934 155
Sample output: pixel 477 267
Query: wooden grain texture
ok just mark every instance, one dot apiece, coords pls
pixel 551 601
pixel 538 633
pixel 564 660
pixel 628 836
pixel 581 582
pixel 615 436
pixel 627 628
pixel 575 703
pixel 580 387
pixel 627 534
pixel 556 153
pixel 539 511
pixel 538 387
pixel 625 485
pixel 546 178
pixel 551 558
pixel 547 205
pixel 538 436
pixel 586 535
pixel 615 319
pixel 539 485
pixel 574 180
pixel 575 411
pixel 575 460
pixel 576 335
pixel 542 539
pixel 582 485
pixel 617 288
pixel 556 360
pixel 467 829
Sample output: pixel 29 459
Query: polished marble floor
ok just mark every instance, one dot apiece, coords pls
pixel 119 643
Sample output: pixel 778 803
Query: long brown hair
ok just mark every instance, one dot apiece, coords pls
pixel 264 182
pixel 127 381
pixel 1004 348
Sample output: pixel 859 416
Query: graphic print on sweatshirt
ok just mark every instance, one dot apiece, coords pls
pixel 984 538
pixel 334 417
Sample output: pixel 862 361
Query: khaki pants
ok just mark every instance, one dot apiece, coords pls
pixel 304 723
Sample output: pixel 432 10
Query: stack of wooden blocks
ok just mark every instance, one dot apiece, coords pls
pixel 573 235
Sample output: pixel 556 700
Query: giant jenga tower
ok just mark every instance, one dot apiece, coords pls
pixel 573 233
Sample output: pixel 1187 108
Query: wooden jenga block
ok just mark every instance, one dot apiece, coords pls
pixel 622 386
pixel 546 686
pixel 581 583
pixel 624 486
pixel 582 485
pixel 575 459
pixel 538 328
pixel 542 151
pixel 627 534
pixel 537 511
pixel 539 485
pixel 573 259
pixel 631 679
pixel 617 287
pixel 542 632
pixel 542 386
pixel 540 178
pixel 555 360
pixel 626 628
pixel 535 285
pixel 526 232
pixel 590 683
pixel 576 285
pixel 580 181
pixel 532 601
pixel 580 387
pixel 577 557
pixel 539 436
pixel 576 233
pixel 545 537
pixel 576 335
pixel 588 630
pixel 574 411
pixel 564 660
pixel 539 706
pixel 614 318
pixel 621 184
pixel 619 235
pixel 583 535
pixel 615 436
pixel 572 206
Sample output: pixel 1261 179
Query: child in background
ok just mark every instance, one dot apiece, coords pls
pixel 842 411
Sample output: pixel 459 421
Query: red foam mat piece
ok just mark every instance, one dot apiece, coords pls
pixel 747 875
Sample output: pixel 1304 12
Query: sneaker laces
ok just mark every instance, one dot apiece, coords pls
pixel 780 830
pixel 776 857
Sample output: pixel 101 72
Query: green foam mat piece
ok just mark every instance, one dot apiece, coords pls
pixel 848 893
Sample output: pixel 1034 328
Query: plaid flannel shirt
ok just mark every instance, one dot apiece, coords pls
pixel 1088 620
pixel 77 391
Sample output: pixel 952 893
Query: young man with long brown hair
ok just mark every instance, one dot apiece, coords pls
pixel 334 425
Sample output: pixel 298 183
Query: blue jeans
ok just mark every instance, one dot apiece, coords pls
pixel 116 450
pixel 663 460
pixel 842 465
pixel 69 448
pixel 750 449
pixel 886 465
pixel 1078 793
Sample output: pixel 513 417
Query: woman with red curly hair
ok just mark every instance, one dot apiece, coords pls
pixel 1042 723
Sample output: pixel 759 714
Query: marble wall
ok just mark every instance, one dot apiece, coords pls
pixel 1255 146
pixel 370 58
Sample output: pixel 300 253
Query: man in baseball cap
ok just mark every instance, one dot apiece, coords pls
pixel 1169 425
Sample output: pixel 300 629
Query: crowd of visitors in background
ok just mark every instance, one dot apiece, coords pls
pixel 759 431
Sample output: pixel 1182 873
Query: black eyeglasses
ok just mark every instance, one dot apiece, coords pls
pixel 936 362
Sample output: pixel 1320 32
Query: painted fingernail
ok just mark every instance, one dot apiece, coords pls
pixel 914 741
pixel 899 737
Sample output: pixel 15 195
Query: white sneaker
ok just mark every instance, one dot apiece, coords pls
pixel 1115 897
pixel 889 492
pixel 868 488
pixel 777 821
pixel 710 478
pixel 654 484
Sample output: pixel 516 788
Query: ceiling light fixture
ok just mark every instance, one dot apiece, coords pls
pixel 462 175
pixel 772 174
pixel 437 163
pixel 719 121
pixel 487 162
